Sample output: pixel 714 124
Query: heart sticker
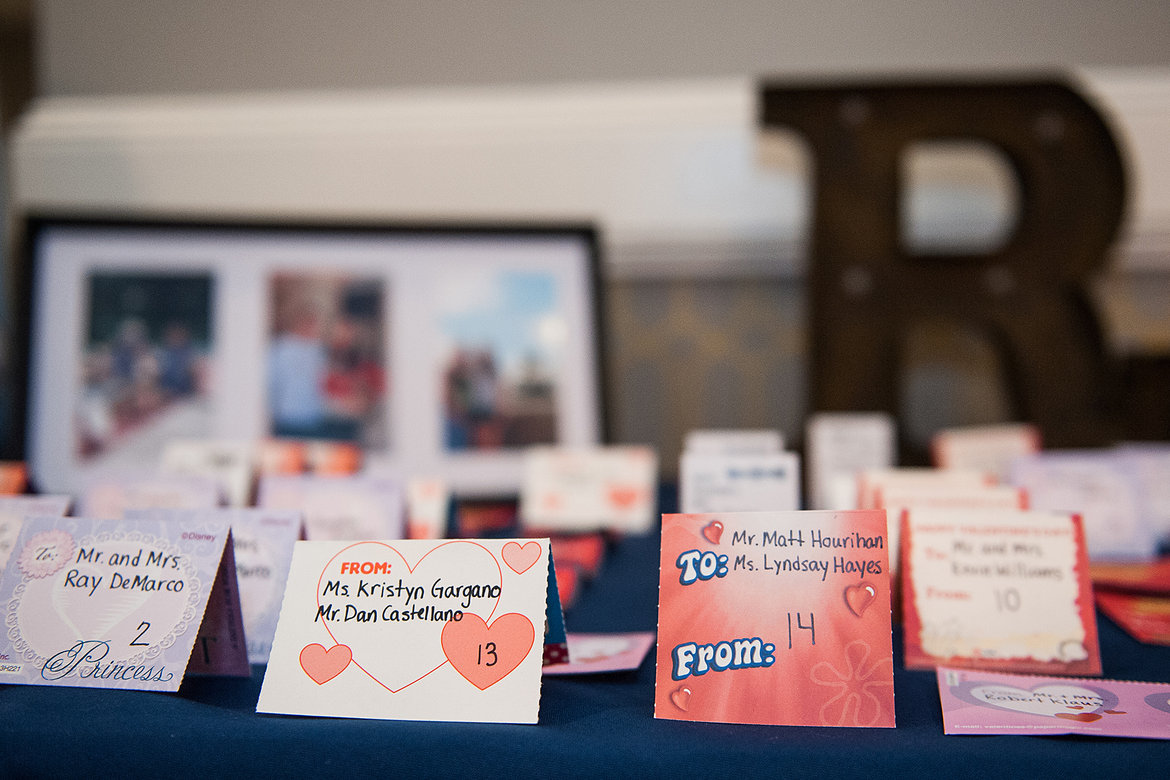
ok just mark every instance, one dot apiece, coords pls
pixel 484 654
pixel 521 557
pixel 713 531
pixel 623 497
pixel 323 665
pixel 859 597
pixel 1081 717
pixel 681 698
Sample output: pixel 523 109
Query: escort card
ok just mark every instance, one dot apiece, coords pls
pixel 263 542
pixel 776 618
pixel 978 702
pixel 734 442
pixel 412 630
pixel 841 444
pixel 602 488
pixel 873 483
pixel 228 463
pixel 428 508
pixel 739 483
pixel 120 604
pixel 1099 486
pixel 987 448
pixel 13 510
pixel 1150 464
pixel 338 507
pixel 1002 589
pixel 110 496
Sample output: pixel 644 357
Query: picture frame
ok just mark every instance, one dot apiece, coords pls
pixel 443 350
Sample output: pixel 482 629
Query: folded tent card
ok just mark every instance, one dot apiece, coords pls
pixel 997 589
pixel 133 604
pixel 589 489
pixel 838 446
pixel 447 630
pixel 778 618
pixel 729 471
pixel 339 507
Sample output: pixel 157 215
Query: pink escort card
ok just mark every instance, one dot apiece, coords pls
pixel 412 630
pixel 977 702
pixel 120 604
pixel 1003 589
pixel 779 618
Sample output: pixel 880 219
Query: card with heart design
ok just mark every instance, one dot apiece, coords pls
pixel 262 543
pixel 778 618
pixel 981 702
pixel 443 630
pixel 130 604
pixel 589 489
pixel 997 589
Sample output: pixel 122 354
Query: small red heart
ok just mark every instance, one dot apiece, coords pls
pixel 1082 717
pixel 623 497
pixel 681 698
pixel 520 557
pixel 1075 707
pixel 323 665
pixel 713 531
pixel 1114 712
pixel 859 597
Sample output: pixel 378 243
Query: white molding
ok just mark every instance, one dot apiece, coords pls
pixel 675 173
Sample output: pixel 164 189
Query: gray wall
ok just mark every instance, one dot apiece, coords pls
pixel 162 46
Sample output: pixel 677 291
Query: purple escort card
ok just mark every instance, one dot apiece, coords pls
pixel 111 496
pixel 977 702
pixel 131 604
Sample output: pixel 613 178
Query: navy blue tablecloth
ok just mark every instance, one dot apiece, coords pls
pixel 589 726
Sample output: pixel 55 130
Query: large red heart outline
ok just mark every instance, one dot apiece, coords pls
pixel 485 654
pixel 405 653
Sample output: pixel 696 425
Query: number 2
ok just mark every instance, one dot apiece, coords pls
pixel 143 627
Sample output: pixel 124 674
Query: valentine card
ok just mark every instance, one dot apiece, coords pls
pixel 13 510
pixel 997 589
pixel 978 702
pixel 987 448
pixel 778 618
pixel 1145 618
pixel 1152 577
pixel 604 653
pixel 338 507
pixel 739 483
pixel 839 445
pixel 263 542
pixel 120 604
pixel 873 483
pixel 228 463
pixel 110 496
pixel 1099 486
pixel 599 488
pixel 428 508
pixel 412 630
pixel 734 442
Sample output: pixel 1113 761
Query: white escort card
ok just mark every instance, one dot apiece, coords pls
pixel 987 448
pixel 120 604
pixel 838 446
pixel 230 463
pixel 711 482
pixel 412 630
pixel 589 489
pixel 109 496
pixel 339 507
pixel 734 441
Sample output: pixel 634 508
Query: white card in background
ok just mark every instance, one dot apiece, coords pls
pixel 739 483
pixel 734 442
pixel 874 482
pixel 1100 487
pixel 129 604
pixel 1150 463
pixel 600 488
pixel 337 507
pixel 110 496
pixel 987 448
pixel 263 542
pixel 997 589
pixel 231 463
pixel 13 510
pixel 894 498
pixel 840 444
pixel 428 503
pixel 412 630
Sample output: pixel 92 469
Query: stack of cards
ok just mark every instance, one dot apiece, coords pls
pixel 1136 596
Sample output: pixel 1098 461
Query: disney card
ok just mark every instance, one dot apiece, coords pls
pixel 979 702
pixel 997 589
pixel 263 542
pixel 589 489
pixel 779 618
pixel 13 510
pixel 120 604
pixel 412 630
pixel 339 507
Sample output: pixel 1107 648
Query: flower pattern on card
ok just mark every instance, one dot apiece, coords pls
pixel 859 684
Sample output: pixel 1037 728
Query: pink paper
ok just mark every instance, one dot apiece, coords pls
pixel 977 702
pixel 600 653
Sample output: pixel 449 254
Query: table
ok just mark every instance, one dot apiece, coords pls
pixel 589 726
